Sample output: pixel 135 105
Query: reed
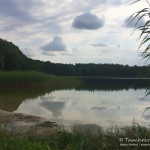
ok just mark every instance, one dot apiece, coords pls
pixel 28 78
pixel 22 77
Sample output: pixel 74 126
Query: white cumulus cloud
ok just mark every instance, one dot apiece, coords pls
pixel 88 21
pixel 56 44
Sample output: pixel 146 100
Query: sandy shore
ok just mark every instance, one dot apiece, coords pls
pixel 22 124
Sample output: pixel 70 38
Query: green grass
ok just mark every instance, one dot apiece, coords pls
pixel 108 139
pixel 27 78
pixel 33 78
pixel 9 142
pixel 23 77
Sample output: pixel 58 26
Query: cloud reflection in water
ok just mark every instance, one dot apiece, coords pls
pixel 55 107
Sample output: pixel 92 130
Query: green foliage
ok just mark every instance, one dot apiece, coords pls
pixel 39 80
pixel 33 78
pixel 108 139
pixel 23 77
pixel 17 143
pixel 11 58
pixel 144 29
pixel 144 33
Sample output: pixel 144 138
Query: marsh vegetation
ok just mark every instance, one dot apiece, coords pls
pixel 110 138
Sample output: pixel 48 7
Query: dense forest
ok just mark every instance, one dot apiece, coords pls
pixel 11 58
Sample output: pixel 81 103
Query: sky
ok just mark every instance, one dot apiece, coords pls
pixel 71 31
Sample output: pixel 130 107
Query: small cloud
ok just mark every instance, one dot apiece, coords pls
pixel 140 55
pixel 115 2
pixel 99 45
pixel 49 54
pixel 56 44
pixel 66 53
pixel 143 99
pixel 99 108
pixel 88 21
pixel 132 23
pixel 104 51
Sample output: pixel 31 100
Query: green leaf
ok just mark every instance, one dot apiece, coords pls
pixel 145 111
pixel 134 2
pixel 139 19
pixel 145 40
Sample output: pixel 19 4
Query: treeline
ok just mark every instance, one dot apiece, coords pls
pixel 90 69
pixel 11 58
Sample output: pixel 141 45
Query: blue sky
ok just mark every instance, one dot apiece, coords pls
pixel 71 31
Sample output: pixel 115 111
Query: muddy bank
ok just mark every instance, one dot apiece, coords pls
pixel 22 124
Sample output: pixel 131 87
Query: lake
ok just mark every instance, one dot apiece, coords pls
pixel 112 104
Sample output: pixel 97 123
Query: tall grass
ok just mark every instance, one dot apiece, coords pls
pixel 9 142
pixel 109 139
pixel 33 78
pixel 27 78
pixel 23 77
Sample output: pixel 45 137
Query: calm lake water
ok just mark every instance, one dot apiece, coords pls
pixel 77 106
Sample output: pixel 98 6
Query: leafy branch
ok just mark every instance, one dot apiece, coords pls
pixel 144 29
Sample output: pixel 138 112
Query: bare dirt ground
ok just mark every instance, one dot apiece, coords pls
pixel 22 124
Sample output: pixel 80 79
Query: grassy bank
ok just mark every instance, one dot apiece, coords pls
pixel 109 139
pixel 34 79
pixel 28 78
pixel 22 77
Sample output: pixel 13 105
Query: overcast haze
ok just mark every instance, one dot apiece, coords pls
pixel 70 31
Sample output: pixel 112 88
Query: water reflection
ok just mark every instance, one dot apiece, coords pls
pixel 10 99
pixel 112 84
pixel 99 108
pixel 104 103
pixel 55 107
pixel 85 107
